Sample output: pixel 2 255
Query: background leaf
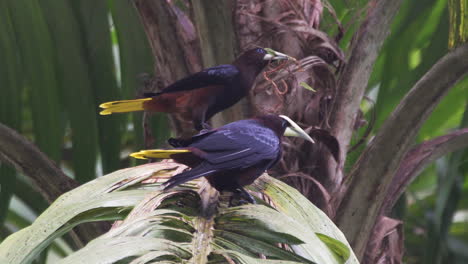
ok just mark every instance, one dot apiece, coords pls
pixel 35 44
pixel 93 19
pixel 10 101
pixel 75 85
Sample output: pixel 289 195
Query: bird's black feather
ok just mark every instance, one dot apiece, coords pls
pixel 195 173
pixel 201 95
pixel 231 155
pixel 180 142
pixel 239 145
pixel 218 75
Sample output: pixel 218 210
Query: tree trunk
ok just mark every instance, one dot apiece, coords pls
pixel 207 33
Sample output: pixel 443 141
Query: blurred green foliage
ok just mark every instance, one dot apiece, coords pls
pixel 419 40
pixel 60 60
pixel 435 216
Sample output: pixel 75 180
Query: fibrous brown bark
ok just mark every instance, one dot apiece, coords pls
pixel 291 27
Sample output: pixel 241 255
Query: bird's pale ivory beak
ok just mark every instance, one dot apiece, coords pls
pixel 295 130
pixel 275 55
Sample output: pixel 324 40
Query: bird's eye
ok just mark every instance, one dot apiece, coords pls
pixel 285 124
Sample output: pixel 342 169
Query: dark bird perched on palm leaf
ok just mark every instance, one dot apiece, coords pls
pixel 231 156
pixel 203 94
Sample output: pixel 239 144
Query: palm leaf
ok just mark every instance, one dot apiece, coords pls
pixel 168 227
pixel 35 48
pixel 75 85
pixel 10 101
pixel 96 38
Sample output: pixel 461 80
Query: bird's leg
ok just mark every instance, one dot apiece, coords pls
pixel 231 199
pixel 197 125
pixel 177 142
pixel 240 196
pixel 199 118
pixel 246 195
pixel 201 125
pixel 206 127
pixel 149 139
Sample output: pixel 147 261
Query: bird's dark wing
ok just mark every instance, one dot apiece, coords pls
pixel 218 75
pixel 242 146
pixel 239 145
pixel 181 142
pixel 195 173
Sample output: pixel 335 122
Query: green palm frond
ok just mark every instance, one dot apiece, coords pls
pixel 166 226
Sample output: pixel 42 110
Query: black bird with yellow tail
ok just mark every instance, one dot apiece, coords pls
pixel 231 156
pixel 201 95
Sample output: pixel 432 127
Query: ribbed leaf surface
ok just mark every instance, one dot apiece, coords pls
pixel 75 85
pixel 104 198
pixel 10 100
pixel 93 19
pixel 167 226
pixel 35 45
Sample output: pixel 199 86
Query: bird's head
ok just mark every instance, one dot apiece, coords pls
pixel 284 126
pixel 259 58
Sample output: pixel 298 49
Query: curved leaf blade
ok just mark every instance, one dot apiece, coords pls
pixel 290 202
pixel 75 86
pixel 102 199
pixel 35 45
pixel 96 38
pixel 112 250
pixel 336 246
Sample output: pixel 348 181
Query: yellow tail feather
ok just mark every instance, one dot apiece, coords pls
pixel 123 106
pixel 157 153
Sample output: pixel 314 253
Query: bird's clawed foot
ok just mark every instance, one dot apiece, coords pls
pixel 243 197
pixel 175 142
pixel 247 195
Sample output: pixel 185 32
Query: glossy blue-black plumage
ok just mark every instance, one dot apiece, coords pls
pixel 233 155
pixel 217 75
pixel 239 145
pixel 211 90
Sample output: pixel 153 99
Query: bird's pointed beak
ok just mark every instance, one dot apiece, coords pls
pixel 294 130
pixel 275 55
